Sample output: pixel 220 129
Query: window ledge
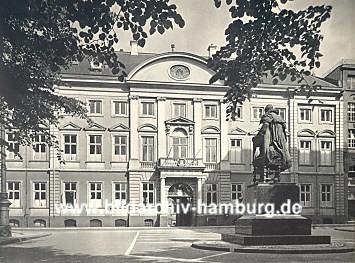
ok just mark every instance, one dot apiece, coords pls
pixel 38 161
pixel 94 162
pixel 13 161
pixel 119 162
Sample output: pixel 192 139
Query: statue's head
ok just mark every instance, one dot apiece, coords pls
pixel 268 108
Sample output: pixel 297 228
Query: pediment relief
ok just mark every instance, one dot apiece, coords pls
pixel 326 133
pixel 94 127
pixel 210 129
pixel 179 121
pixel 238 131
pixel 306 133
pixel 119 128
pixel 70 126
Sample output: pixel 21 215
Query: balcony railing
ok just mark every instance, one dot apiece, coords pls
pixel 147 165
pixel 180 162
pixel 212 166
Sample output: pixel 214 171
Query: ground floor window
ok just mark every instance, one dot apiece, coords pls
pixel 306 195
pixel 211 194
pixel 237 192
pixel 326 195
pixel 148 193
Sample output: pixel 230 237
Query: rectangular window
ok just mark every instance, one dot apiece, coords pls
pixel 257 113
pixel 305 153
pixel 211 194
pixel 148 108
pixel 120 194
pixel 306 195
pixel 239 113
pixel 351 112
pixel 70 147
pixel 351 81
pixel 95 195
pixel 95 147
pixel 179 110
pixel 69 194
pixel 235 153
pixel 180 147
pixel 211 111
pixel 326 195
pixel 237 192
pixel 148 148
pixel 282 113
pixel 13 145
pixel 95 107
pixel 210 150
pixel 120 148
pixel 39 195
pixel 40 149
pixel 305 114
pixel 351 138
pixel 120 107
pixel 326 115
pixel 13 190
pixel 148 193
pixel 325 153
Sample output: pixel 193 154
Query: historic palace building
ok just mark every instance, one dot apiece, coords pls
pixel 161 137
pixel 343 74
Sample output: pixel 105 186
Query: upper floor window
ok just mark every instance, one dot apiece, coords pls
pixel 39 194
pixel 305 114
pixel 148 193
pixel 351 81
pixel 325 153
pixel 239 113
pixel 306 195
pixel 120 148
pixel 13 145
pixel 148 148
pixel 40 149
pixel 95 107
pixel 210 150
pixel 147 108
pixel 326 195
pixel 351 138
pixel 95 147
pixel 326 116
pixel 13 190
pixel 120 108
pixel 235 153
pixel 282 113
pixel 305 153
pixel 179 109
pixel 70 147
pixel 237 192
pixel 257 113
pixel 69 194
pixel 210 111
pixel 351 112
pixel 211 194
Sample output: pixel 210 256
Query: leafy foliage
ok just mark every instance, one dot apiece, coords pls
pixel 39 38
pixel 264 39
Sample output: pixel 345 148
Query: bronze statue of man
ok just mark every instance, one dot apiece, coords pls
pixel 272 143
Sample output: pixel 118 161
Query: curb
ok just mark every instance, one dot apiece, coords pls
pixel 333 248
pixel 344 229
pixel 12 240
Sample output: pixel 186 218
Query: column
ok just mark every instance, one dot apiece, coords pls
pixel 162 194
pixel 199 191
pixel 198 144
pixel 224 137
pixel 161 127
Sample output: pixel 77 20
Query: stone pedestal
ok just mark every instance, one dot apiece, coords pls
pixel 280 228
pixel 5 229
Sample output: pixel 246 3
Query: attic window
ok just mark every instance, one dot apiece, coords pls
pixel 96 66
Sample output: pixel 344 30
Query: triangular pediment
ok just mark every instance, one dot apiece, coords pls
pixel 119 128
pixel 94 127
pixel 238 131
pixel 179 121
pixel 70 126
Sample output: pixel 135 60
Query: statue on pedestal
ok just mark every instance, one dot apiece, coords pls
pixel 270 149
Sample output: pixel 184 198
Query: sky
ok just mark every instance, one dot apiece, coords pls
pixel 206 24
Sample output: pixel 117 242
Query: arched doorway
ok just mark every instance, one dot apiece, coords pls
pixel 180 197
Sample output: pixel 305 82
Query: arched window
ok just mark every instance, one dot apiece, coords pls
pixel 95 223
pixel 120 222
pixel 39 223
pixel 14 223
pixel 70 223
pixel 149 222
pixel 179 144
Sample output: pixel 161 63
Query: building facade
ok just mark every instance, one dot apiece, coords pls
pixel 343 74
pixel 161 137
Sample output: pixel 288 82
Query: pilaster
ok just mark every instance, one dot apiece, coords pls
pixel 134 138
pixel 197 104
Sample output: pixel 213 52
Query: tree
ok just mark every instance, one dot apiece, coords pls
pixel 39 38
pixel 263 40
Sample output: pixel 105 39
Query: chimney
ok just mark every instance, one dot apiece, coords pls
pixel 212 49
pixel 134 48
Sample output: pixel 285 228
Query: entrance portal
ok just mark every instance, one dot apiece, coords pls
pixel 180 197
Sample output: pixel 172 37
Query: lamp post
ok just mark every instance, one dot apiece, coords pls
pixel 5 229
